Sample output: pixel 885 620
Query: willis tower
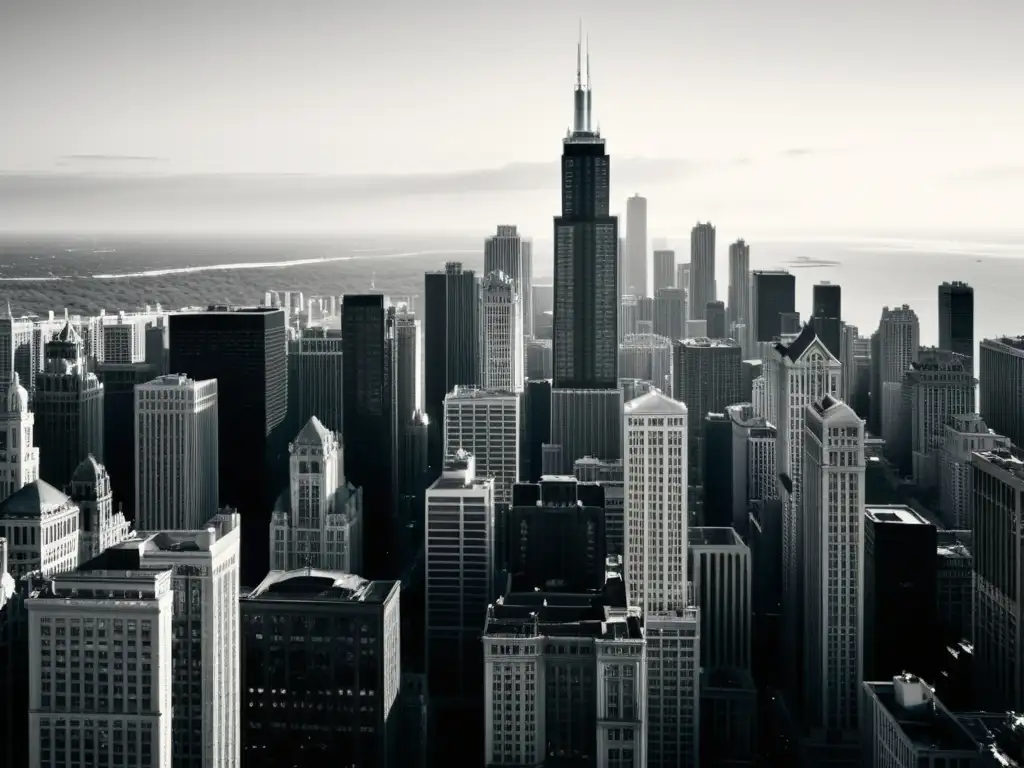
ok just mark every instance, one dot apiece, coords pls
pixel 586 404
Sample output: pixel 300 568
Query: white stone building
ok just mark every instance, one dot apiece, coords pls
pixel 964 435
pixel 101 527
pixel 19 457
pixel 41 526
pixel 485 424
pixel 502 355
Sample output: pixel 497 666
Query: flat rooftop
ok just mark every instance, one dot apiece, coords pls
pixel 558 614
pixel 927 726
pixel 895 513
pixel 704 342
pixel 714 537
pixel 1007 460
pixel 313 584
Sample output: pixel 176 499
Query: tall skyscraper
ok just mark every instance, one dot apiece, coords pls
pixel 664 270
pixel 486 425
pixel 316 378
pixel 409 365
pixel 655 493
pixel 739 284
pixel 68 406
pixel 100 526
pixel 715 318
pixel 176 453
pixel 18 349
pixel 526 287
pixel 501 334
pixel 245 350
pixel 318 522
pixel 371 419
pixel 635 267
pixel 648 358
pixel 956 319
pixel 1001 384
pixel 962 436
pixel 669 313
pixel 833 565
pixel 898 347
pixel 772 293
pixel 702 266
pixel 507 252
pixel 585 236
pixel 451 339
pixel 719 570
pixel 826 316
pixel 19 457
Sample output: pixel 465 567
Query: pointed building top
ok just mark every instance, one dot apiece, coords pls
pixel 655 403
pixel 314 433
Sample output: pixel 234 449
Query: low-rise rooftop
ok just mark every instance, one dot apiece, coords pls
pixel 314 584
pixel 894 514
pixel 912 705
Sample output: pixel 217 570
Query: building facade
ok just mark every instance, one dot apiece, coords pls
pixel 19 457
pixel 501 334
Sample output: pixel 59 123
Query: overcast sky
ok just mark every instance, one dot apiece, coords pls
pixel 789 114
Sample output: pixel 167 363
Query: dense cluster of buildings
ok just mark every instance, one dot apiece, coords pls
pixel 612 522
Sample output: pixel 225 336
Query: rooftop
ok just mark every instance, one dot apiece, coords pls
pixel 33 501
pixel 89 471
pixel 926 724
pixel 307 584
pixel 476 393
pixel 1006 459
pixel 559 614
pixel 714 537
pixel 314 433
pixel 704 342
pixel 654 403
pixel 894 513
pixel 1013 344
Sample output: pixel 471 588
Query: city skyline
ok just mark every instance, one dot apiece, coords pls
pixel 154 111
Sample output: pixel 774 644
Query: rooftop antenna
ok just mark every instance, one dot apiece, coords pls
pixel 579 45
pixel 587 117
pixel 579 100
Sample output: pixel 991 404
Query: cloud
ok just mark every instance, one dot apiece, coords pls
pixel 797 152
pixel 988 173
pixel 100 158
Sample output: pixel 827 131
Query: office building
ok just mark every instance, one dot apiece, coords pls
pixel 486 425
pixel 536 428
pixel 937 388
pixel 997 526
pixel 702 269
pixel 451 340
pixel 628 309
pixel 460 528
pixel 683 277
pixel 14 653
pixel 103 720
pixel 68 407
pixel 585 235
pixel 954 587
pixel 245 350
pixel 41 526
pixel 906 726
pixel 898 348
pixel 655 482
pixel 506 251
pixel 1001 377
pixel 772 294
pixel 19 352
pixel 720 574
pixel 827 316
pixel 124 341
pixel 900 572
pixel 714 316
pixel 19 457
pixel 585 422
pixel 963 434
pixel 100 527
pixel 664 270
pixel 833 564
pixel 707 379
pixel 370 436
pixel 338 701
pixel 750 370
pixel 176 452
pixel 610 476
pixel 670 313
pixel 501 334
pixel 565 678
pixel 956 319
pixel 728 718
pixel 543 304
pixel 739 283
pixel 648 358
pixel 539 362
pixel 634 272
pixel 554 534
pixel 318 521
pixel 673 687
pixel 316 377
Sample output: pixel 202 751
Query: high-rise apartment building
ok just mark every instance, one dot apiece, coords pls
pixel 19 457
pixel 635 266
pixel 772 294
pixel 508 252
pixel 354 625
pixel 486 425
pixel 41 526
pixel 176 452
pixel 1001 377
pixel 100 527
pixel 664 270
pixel 501 334
pixel 316 378
pixel 898 347
pixel 370 436
pixel 585 235
pixel 998 603
pixel 702 274
pixel 107 718
pixel 739 284
pixel 245 350
pixel 962 436
pixel 956 319
pixel 318 522
pixel 655 464
pixel 833 565
pixel 451 340
pixel 68 407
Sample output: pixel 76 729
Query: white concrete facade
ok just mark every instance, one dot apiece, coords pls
pixel 502 355
pixel 485 424
pixel 19 457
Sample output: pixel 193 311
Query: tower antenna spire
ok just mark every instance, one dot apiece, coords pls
pixel 579 46
pixel 588 61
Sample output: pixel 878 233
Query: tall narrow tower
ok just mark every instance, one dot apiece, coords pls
pixel 19 457
pixel 586 238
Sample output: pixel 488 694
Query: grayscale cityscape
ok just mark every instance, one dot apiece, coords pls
pixel 598 488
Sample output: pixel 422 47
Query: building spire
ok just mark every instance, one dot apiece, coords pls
pixel 579 101
pixel 586 119
pixel 579 46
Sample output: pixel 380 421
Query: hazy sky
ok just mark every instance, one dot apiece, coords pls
pixel 784 115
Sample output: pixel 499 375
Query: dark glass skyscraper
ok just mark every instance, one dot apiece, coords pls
pixel 585 339
pixel 370 419
pixel 451 342
pixel 245 350
pixel 772 293
pixel 956 318
pixel 826 316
